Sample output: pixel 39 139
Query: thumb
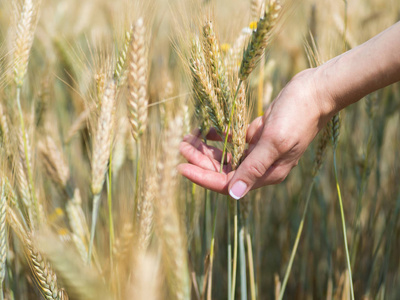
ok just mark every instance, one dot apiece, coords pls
pixel 253 168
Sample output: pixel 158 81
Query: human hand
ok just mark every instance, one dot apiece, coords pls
pixel 276 140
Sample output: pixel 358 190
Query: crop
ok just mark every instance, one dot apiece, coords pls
pixel 95 99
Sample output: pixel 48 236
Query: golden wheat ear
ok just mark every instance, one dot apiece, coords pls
pixel 102 144
pixel 137 81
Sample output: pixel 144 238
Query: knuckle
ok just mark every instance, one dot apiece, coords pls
pixel 257 168
pixel 281 176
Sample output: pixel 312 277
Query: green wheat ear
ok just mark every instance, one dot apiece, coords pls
pixel 259 39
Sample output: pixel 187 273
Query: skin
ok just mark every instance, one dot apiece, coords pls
pixel 278 139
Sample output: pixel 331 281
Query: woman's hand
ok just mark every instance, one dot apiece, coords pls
pixel 303 107
pixel 276 142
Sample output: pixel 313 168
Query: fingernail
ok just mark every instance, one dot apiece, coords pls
pixel 238 189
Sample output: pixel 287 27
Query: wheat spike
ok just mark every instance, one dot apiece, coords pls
pixel 234 55
pixel 44 274
pixel 124 244
pixel 167 218
pixel 120 70
pixel 319 156
pixel 76 217
pixel 24 38
pixel 259 39
pixel 3 235
pixel 257 6
pixel 54 161
pixel 103 138
pixel 137 81
pixel 240 122
pixel 77 125
pixel 145 280
pixel 26 163
pixel 80 247
pixel 42 270
pixel 22 182
pixel 206 101
pixel 334 127
pixel 4 130
pixel 215 68
pixel 145 214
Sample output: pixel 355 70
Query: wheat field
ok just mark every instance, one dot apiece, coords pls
pixel 96 97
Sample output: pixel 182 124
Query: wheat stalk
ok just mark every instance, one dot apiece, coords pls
pixel 137 81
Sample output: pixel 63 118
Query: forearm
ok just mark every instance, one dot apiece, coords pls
pixel 347 78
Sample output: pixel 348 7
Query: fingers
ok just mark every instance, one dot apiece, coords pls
pixel 256 127
pixel 212 180
pixel 199 145
pixel 254 130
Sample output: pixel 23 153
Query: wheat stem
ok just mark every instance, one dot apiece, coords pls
pixel 212 252
pixel 229 249
pixel 251 267
pixel 242 261
pixel 235 247
pixel 95 211
pixel 343 224
pixel 296 242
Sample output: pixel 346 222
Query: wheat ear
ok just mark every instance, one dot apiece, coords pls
pixel 4 130
pixel 54 162
pixel 101 152
pixel 240 122
pixel 206 101
pixel 3 236
pixel 169 226
pixel 137 81
pixel 215 68
pixel 321 149
pixel 77 125
pixel 259 39
pixel 257 6
pixel 77 222
pixel 44 274
pixel 120 69
pixel 24 38
pixel 145 214
pixel 124 244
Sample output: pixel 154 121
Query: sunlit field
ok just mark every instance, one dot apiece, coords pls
pixel 95 99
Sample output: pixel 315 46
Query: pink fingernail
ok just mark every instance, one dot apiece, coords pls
pixel 238 189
